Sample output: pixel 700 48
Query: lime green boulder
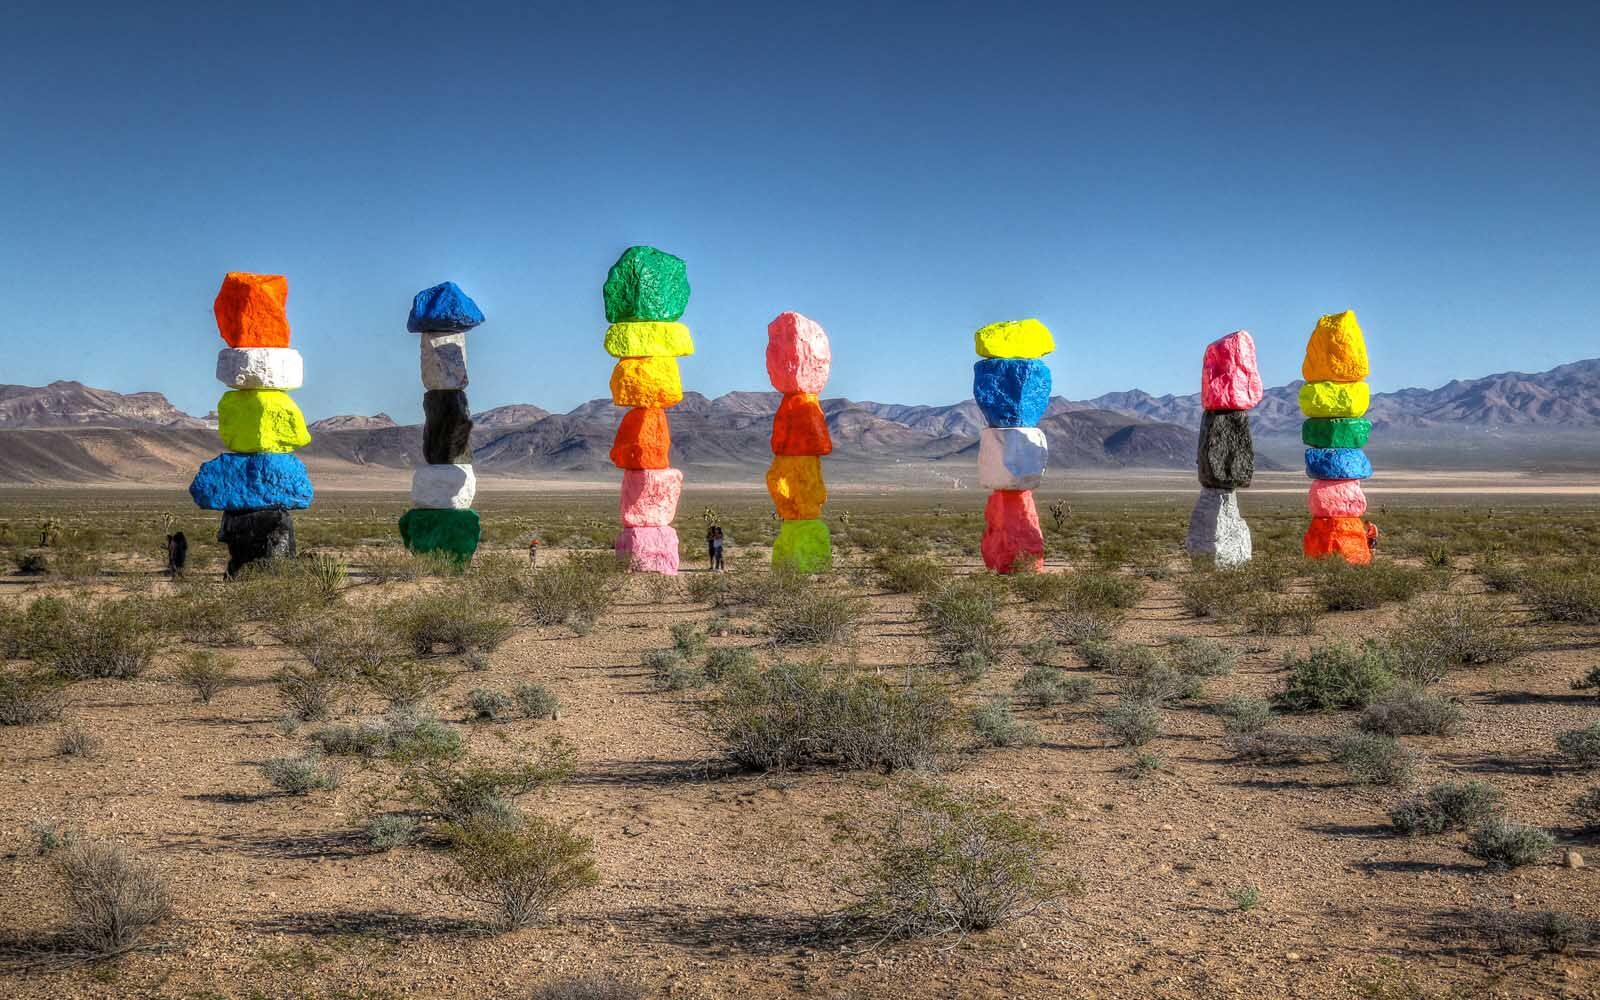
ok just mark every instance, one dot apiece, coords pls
pixel 805 546
pixel 453 532
pixel 1336 432
pixel 646 284
pixel 260 420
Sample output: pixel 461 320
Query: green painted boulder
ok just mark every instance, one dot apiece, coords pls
pixel 805 546
pixel 646 284
pixel 1336 432
pixel 454 532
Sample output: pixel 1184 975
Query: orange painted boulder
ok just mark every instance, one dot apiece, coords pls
pixel 643 440
pixel 799 428
pixel 795 483
pixel 1345 537
pixel 1337 351
pixel 646 382
pixel 1012 538
pixel 250 310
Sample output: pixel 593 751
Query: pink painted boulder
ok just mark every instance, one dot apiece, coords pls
pixel 798 356
pixel 1229 378
pixel 649 550
pixel 650 497
pixel 1012 538
pixel 1336 498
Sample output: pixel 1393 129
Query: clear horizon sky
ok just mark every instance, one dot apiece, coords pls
pixel 1142 180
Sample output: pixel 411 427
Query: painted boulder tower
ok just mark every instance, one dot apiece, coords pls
pixel 645 293
pixel 1334 400
pixel 1230 386
pixel 257 481
pixel 441 518
pixel 1011 384
pixel 799 359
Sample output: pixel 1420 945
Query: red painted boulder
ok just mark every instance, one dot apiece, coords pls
pixel 1229 378
pixel 649 550
pixel 1345 537
pixel 250 310
pixel 643 441
pixel 798 355
pixel 650 497
pixel 1336 498
pixel 799 428
pixel 1012 538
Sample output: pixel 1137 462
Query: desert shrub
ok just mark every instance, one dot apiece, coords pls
pixel 535 701
pixel 109 639
pixel 26 632
pixel 971 666
pixel 401 735
pixel 1160 683
pixel 790 715
pixel 591 986
pixel 1499 576
pixel 909 574
pixel 1213 593
pixel 1587 808
pixel 1581 747
pixel 1047 686
pixel 1244 716
pixel 996 725
pixel 574 592
pixel 1268 746
pixel 1200 657
pixel 460 792
pixel 486 705
pixel 1125 658
pixel 1132 722
pixel 406 683
pixel 1101 590
pixel 50 836
pixel 1589 681
pixel 299 775
pixel 498 578
pixel 1278 614
pixel 1041 652
pixel 113 901
pixel 325 574
pixel 1374 759
pixel 449 619
pixel 1342 586
pixel 1039 587
pixel 1337 676
pixel 1411 711
pixel 205 673
pixel 1447 806
pixel 729 659
pixel 1093 625
pixel 669 671
pixel 1445 632
pixel 29 697
pixel 1500 843
pixel 813 615
pixel 1568 592
pixel 706 588
pixel 687 639
pixel 343 645
pixel 306 693
pixel 75 741
pixel 951 863
pixel 204 613
pixel 280 590
pixel 520 871
pixel 387 831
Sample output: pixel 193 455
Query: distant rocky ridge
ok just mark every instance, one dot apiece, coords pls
pixel 70 432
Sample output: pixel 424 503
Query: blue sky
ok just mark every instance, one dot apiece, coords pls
pixel 903 173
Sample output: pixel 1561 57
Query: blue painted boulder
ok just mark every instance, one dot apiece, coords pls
pixel 1011 392
pixel 443 309
pixel 1338 463
pixel 232 481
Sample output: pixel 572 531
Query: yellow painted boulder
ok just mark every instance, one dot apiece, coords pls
pixel 646 382
pixel 1017 338
pixel 649 339
pixel 1337 351
pixel 795 482
pixel 1335 399
pixel 260 420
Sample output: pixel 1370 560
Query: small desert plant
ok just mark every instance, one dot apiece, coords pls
pixel 387 831
pixel 1133 722
pixel 1337 676
pixel 1047 686
pixel 688 640
pixel 1278 614
pixel 1090 625
pixel 1446 806
pixel 1040 652
pixel 1142 764
pixel 535 701
pixel 1124 658
pixel 74 741
pixel 965 617
pixel 574 592
pixel 1581 747
pixel 1589 681
pixel 1587 809
pixel 50 836
pixel 486 705
pixel 1563 593
pixel 996 726
pixel 1372 759
pixel 1444 632
pixel 726 660
pixel 205 673
pixel 1411 711
pixel 1244 716
pixel 308 694
pixel 1037 587
pixel 813 615
pixel 299 775
pixel 909 574
pixel 1159 684
pixel 519 871
pixel 1101 590
pixel 112 901
pixel 401 735
pixel 1342 586
pixel 1503 844
pixel 1246 897
pixel 460 792
pixel 30 697
pixel 325 574
pixel 110 639
pixel 1201 657
pixel 406 683
pixel 451 620
pixel 669 671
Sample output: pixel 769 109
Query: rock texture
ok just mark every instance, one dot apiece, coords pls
pixel 650 497
pixel 1337 463
pixel 1337 351
pixel 446 427
pixel 443 490
pixel 444 308
pixel 1217 529
pixel 799 359
pixel 260 368
pixel 1229 376
pixel 1230 386
pixel 648 339
pixel 1336 498
pixel 1020 338
pixel 799 427
pixel 1335 399
pixel 1227 458
pixel 256 420
pixel 251 310
pixel 646 284
pixel 443 487
pixel 805 546
pixel 252 482
pixel 1336 432
pixel 1013 541
pixel 649 550
pixel 1011 458
pixel 795 484
pixel 444 360
pixel 648 382
pixel 1012 389
pixel 799 356
pixel 1011 392
pixel 255 535
pixel 1345 537
pixel 452 532
pixel 643 441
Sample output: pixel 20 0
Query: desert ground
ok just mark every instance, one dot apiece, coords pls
pixel 1188 795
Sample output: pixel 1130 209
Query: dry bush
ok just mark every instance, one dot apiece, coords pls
pixel 308 694
pixel 1336 676
pixel 1076 627
pixel 1445 807
pixel 205 673
pixel 113 902
pixel 1037 587
pixel 108 639
pixel 965 618
pixel 574 592
pixel 1133 722
pixel 75 741
pixel 406 684
pixel 1279 614
pixel 1245 716
pixel 1101 590
pixel 1587 809
pixel 996 725
pixel 518 871
pixel 29 697
pixel 910 574
pixel 1374 759
pixel 206 613
pixel 1046 686
pixel 1444 632
pixel 460 792
pixel 1500 843
pixel 1343 586
pixel 299 775
pixel 453 619
pixel 405 736
pixel 1563 592
pixel 1581 747
pixel 814 615
pixel 1410 711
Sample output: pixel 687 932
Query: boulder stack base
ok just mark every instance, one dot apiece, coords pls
pixel 257 480
pixel 645 294
pixel 1230 386
pixel 1011 385
pixel 799 359
pixel 441 518
pixel 1334 398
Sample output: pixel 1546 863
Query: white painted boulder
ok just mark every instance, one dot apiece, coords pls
pixel 1217 529
pixel 443 487
pixel 444 361
pixel 1011 458
pixel 260 368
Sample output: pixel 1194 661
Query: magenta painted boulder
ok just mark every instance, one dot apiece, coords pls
pixel 1012 539
pixel 1336 498
pixel 798 356
pixel 649 550
pixel 1229 378
pixel 650 497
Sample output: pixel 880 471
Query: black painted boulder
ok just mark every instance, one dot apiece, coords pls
pixel 256 535
pixel 446 428
pixel 1227 456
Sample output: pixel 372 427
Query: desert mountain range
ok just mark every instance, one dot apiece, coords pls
pixel 69 432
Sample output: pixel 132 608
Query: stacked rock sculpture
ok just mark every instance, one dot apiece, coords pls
pixel 645 294
pixel 441 518
pixel 1230 386
pixel 798 361
pixel 1012 388
pixel 258 480
pixel 1334 399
